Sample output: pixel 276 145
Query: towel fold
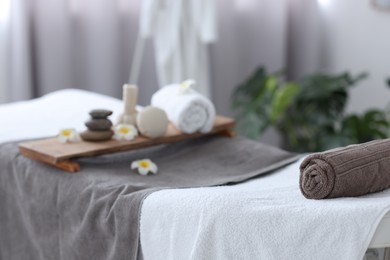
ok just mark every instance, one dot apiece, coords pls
pixel 347 171
pixel 187 109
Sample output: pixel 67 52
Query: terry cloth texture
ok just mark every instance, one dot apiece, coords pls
pixel 50 214
pixel 189 111
pixel 347 171
pixel 263 218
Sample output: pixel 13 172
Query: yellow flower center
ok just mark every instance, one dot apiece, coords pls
pixel 124 130
pixel 186 84
pixel 144 164
pixel 66 132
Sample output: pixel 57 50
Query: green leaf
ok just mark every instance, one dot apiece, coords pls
pixel 282 99
pixel 251 125
pixel 271 83
pixel 310 114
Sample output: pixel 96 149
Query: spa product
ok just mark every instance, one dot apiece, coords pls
pixel 348 171
pixel 188 110
pixel 130 95
pixel 96 136
pixel 152 122
pixel 99 127
pixel 100 113
pixel 98 124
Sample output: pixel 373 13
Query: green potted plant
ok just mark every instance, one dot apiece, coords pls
pixel 309 114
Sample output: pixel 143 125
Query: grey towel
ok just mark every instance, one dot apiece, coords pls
pixel 46 213
pixel 347 171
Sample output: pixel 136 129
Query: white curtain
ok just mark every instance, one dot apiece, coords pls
pixel 306 38
pixel 251 33
pixel 20 52
pixel 4 45
pixel 89 44
pixel 69 43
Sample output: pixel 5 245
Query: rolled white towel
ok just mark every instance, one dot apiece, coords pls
pixel 186 108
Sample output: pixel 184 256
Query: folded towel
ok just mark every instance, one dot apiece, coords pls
pixel 187 109
pixel 347 171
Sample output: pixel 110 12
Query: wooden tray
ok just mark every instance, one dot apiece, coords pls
pixel 61 155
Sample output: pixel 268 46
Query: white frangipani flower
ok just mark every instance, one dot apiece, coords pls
pixel 68 135
pixel 144 166
pixel 185 86
pixel 125 132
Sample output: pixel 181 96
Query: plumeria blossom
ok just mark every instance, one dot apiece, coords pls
pixel 68 135
pixel 125 132
pixel 144 166
pixel 185 86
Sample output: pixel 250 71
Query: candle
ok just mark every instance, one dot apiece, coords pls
pixel 130 94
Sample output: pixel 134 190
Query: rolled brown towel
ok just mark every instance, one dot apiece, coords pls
pixel 348 171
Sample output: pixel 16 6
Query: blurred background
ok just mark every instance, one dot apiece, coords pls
pixel 286 53
pixel 307 75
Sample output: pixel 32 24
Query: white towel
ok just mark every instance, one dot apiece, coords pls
pixel 266 218
pixel 187 109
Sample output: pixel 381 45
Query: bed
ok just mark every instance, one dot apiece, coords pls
pixel 226 222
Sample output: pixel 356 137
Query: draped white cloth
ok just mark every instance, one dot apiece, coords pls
pixel 181 30
pixel 89 45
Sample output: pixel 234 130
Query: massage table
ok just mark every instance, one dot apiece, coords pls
pixel 44 116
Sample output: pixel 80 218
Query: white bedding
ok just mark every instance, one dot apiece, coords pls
pixel 45 116
pixel 265 218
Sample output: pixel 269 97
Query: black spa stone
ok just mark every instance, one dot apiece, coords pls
pixel 98 124
pixel 100 113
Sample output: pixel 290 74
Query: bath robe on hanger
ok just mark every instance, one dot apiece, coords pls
pixel 181 30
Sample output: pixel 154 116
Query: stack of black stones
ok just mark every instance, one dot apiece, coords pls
pixel 99 126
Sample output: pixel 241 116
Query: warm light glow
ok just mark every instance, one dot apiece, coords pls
pixel 4 11
pixel 324 2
